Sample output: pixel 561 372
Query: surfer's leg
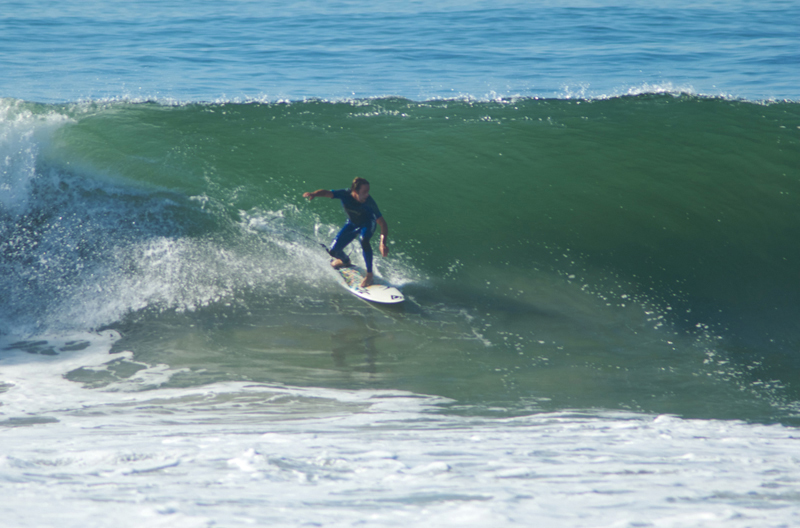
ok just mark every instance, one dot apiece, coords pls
pixel 366 247
pixel 346 234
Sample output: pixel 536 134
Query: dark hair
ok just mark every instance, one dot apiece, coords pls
pixel 358 183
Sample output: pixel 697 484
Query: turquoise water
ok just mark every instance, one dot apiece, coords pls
pixel 593 218
pixel 632 234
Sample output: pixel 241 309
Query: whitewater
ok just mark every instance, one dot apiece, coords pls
pixel 593 218
pixel 243 454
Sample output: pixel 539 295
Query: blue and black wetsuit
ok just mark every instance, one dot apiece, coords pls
pixel 361 218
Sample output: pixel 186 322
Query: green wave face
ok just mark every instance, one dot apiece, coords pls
pixel 635 252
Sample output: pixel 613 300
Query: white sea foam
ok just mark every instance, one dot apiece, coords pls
pixel 238 454
pixel 22 134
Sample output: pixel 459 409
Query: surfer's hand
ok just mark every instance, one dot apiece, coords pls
pixel 384 249
pixel 308 195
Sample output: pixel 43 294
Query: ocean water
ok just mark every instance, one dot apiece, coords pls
pixel 593 214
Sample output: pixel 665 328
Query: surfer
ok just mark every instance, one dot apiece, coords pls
pixel 363 216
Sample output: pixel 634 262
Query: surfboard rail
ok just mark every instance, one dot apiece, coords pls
pixel 379 292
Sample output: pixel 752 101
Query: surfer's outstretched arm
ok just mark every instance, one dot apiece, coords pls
pixel 321 192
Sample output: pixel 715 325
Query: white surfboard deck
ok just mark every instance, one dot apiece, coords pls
pixel 379 292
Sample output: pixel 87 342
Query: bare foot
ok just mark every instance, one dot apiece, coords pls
pixel 367 281
pixel 338 263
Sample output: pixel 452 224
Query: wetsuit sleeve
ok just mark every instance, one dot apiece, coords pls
pixel 376 213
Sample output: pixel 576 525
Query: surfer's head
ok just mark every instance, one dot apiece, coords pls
pixel 360 189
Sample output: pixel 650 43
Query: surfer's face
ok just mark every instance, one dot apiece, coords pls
pixel 362 193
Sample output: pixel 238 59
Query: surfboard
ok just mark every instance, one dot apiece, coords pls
pixel 379 292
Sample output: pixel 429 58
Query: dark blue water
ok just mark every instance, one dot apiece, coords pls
pixel 189 51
